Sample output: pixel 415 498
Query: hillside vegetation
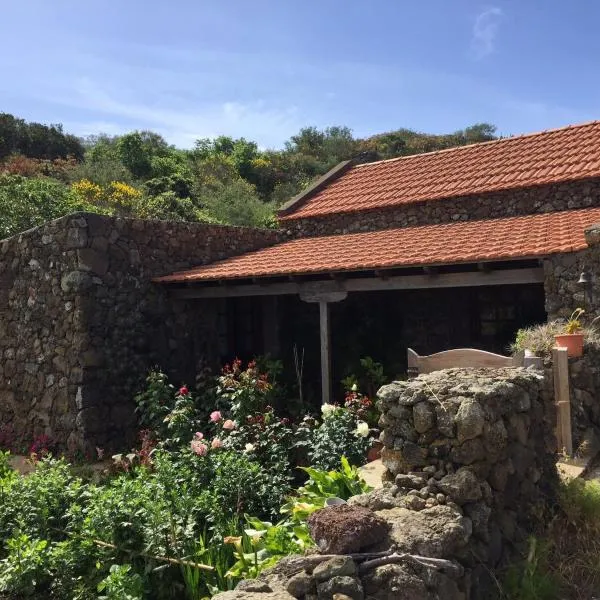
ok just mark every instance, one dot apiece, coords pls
pixel 45 173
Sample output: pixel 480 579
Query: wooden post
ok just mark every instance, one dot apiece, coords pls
pixel 325 352
pixel 560 367
pixel 324 292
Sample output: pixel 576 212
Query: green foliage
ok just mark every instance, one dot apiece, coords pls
pixel 562 560
pixel 36 504
pixel 264 543
pixel 236 203
pixel 580 501
pixel 245 391
pixel 532 580
pixel 28 202
pixel 369 377
pixel 25 566
pixel 36 140
pixel 222 180
pixel 322 485
pixel 121 584
pixel 155 402
pixel 337 435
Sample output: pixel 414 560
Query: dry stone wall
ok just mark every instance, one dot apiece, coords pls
pixel 478 440
pixel 81 321
pixel 470 459
pixel 540 199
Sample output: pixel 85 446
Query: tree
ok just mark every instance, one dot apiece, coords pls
pixel 237 203
pixel 35 140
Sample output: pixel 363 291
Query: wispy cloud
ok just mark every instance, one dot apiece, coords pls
pixel 485 30
pixel 186 124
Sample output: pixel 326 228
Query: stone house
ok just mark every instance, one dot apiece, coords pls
pixel 453 248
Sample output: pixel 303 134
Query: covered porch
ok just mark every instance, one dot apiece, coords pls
pixel 335 299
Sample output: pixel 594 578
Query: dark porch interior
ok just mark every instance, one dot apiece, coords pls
pixel 379 324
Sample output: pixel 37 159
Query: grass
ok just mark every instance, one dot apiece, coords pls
pixel 563 562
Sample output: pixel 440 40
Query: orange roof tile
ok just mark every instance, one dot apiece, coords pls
pixel 471 241
pixel 534 159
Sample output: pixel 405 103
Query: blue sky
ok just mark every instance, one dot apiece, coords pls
pixel 264 69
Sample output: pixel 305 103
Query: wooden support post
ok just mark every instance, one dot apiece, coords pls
pixel 325 352
pixel 560 367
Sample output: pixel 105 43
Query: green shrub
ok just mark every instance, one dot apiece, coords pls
pixel 121 584
pixel 25 568
pixel 337 435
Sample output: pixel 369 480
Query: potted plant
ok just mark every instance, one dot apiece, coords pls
pixel 572 337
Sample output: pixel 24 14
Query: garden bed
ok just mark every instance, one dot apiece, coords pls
pixel 209 495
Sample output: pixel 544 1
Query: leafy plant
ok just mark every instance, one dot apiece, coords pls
pixel 573 324
pixel 338 434
pixel 25 566
pixel 322 484
pixel 245 392
pixel 121 584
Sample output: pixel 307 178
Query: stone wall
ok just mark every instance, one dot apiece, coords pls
pixel 540 199
pixel 81 322
pixel 480 441
pixel 470 459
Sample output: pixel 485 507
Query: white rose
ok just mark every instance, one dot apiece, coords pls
pixel 362 429
pixel 249 447
pixel 327 409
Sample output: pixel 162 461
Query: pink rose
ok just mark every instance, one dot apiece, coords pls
pixel 216 443
pixel 199 435
pixel 183 391
pixel 215 416
pixel 229 425
pixel 199 448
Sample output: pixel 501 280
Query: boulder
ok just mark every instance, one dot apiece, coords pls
pixel 334 567
pixel 347 586
pixel 462 486
pixel 423 417
pixel 394 582
pixel 439 531
pixel 470 420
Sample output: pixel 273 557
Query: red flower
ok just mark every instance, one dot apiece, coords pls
pixel 183 391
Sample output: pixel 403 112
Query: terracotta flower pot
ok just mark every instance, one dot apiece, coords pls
pixel 573 342
pixel 374 452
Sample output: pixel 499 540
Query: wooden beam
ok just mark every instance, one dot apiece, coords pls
pixel 368 284
pixel 325 352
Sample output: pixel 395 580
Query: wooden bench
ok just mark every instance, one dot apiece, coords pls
pixel 460 357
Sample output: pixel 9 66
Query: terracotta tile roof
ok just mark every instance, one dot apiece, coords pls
pixel 471 241
pixel 535 159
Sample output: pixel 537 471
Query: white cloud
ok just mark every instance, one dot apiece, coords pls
pixel 485 30
pixel 253 120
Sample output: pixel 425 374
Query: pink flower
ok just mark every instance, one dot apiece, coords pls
pixel 215 416
pixel 199 435
pixel 229 425
pixel 216 443
pixel 199 448
pixel 183 391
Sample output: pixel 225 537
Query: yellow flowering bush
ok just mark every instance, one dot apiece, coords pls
pixel 115 198
pixel 87 191
pixel 123 198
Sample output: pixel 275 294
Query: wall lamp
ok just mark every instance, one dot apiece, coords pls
pixel 586 281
